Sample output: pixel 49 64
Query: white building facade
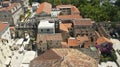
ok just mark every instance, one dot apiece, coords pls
pixel 5 54
pixel 35 6
pixel 45 27
pixel 5 31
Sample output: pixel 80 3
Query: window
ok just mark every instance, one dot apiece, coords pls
pixel 48 29
pixel 7 32
pixel 41 30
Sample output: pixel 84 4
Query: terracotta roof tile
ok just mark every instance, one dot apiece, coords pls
pixel 69 17
pixel 73 42
pixel 3 26
pixel 63 57
pixel 45 37
pixel 101 40
pixel 75 9
pixel 82 39
pixel 48 55
pixel 44 7
pixel 65 26
pixel 64 44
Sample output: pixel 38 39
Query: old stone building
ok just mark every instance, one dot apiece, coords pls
pixel 83 27
pixel 47 41
pixel 10 12
pixel 68 9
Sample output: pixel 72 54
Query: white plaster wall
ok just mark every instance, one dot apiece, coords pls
pixel 6 34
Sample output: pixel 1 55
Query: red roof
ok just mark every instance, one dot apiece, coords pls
pixel 101 40
pixel 68 17
pixel 63 57
pixel 73 42
pixel 82 39
pixel 3 26
pixel 44 7
pixel 65 26
pixel 74 10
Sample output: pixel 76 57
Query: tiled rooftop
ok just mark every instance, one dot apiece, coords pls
pixel 44 7
pixel 65 26
pixel 75 41
pixel 45 37
pixel 75 9
pixel 102 39
pixel 3 26
pixel 91 53
pixel 63 57
pixel 69 17
pixel 82 39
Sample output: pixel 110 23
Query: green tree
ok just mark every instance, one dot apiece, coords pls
pixel 65 1
pixel 92 9
pixel 75 2
pixel 117 3
pixel 95 2
pixel 30 2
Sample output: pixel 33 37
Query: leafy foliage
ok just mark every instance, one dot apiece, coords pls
pixel 92 9
pixel 30 2
pixel 108 57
